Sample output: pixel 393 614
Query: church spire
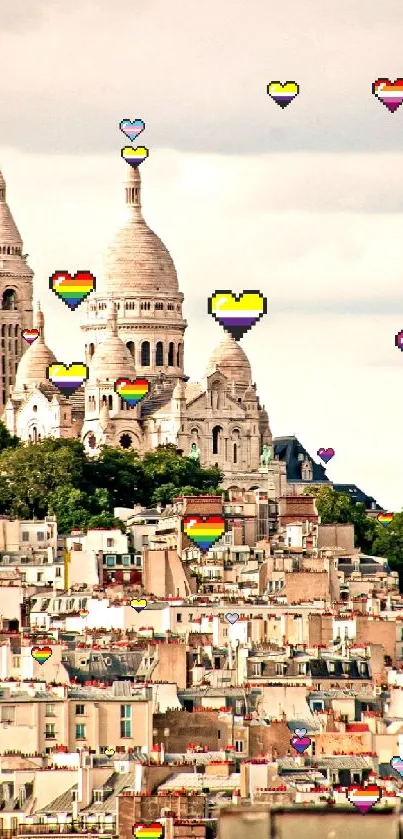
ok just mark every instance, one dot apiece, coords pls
pixel 133 192
pixel 40 322
pixel 2 189
pixel 112 317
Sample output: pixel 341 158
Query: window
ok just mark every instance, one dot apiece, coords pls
pixel 239 745
pixel 126 559
pixel 80 731
pixel 171 354
pixel 50 710
pixel 50 731
pixel 58 572
pixel 16 661
pixel 217 430
pixel 110 561
pixel 144 541
pixel 109 543
pixel 8 713
pixel 25 536
pixel 98 795
pixel 125 720
pixel 40 536
pixel 145 354
pixel 80 710
pixel 39 577
pixel 179 617
pixel 159 354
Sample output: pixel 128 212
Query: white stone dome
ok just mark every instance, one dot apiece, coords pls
pixel 231 360
pixel 111 360
pixel 32 368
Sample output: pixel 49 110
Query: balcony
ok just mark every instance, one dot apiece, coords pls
pixel 42 831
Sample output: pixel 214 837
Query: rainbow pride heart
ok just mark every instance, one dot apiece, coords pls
pixel 72 290
pixel 203 531
pixel 364 798
pixel 67 377
pixel 132 128
pixel 138 605
pixel 237 313
pixel 84 613
pixel 148 830
pixel 385 518
pixel 389 93
pixel 41 654
pixel 325 454
pixel 134 156
pixel 132 391
pixel 30 335
pixel 397 764
pixel 283 94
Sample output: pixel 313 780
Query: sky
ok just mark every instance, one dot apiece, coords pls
pixel 304 203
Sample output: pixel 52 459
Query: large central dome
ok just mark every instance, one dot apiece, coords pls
pixel 137 260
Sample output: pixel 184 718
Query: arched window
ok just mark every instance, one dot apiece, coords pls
pixel 159 354
pixel 125 441
pixel 179 356
pixel 130 347
pixel 9 299
pixel 217 432
pixel 145 354
pixel 110 404
pixel 91 350
pixel 34 435
pixel 235 453
pixel 171 349
pixel 104 400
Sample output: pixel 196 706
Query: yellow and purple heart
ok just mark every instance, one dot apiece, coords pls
pixel 41 654
pixel 138 605
pixel 30 335
pixel 237 313
pixel 134 156
pixel 203 531
pixel 148 830
pixel 109 751
pixel 67 377
pixel 132 391
pixel 397 764
pixel 389 93
pixel 72 290
pixel 385 518
pixel 325 454
pixel 132 128
pixel 364 798
pixel 283 94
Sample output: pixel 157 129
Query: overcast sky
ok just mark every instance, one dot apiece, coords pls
pixel 305 203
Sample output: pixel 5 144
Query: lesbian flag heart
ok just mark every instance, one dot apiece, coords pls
pixel 67 377
pixel 325 454
pixel 132 128
pixel 203 531
pixel 385 518
pixel 134 156
pixel 132 391
pixel 30 335
pixel 41 654
pixel 364 798
pixel 283 94
pixel 389 93
pixel 147 830
pixel 237 313
pixel 72 290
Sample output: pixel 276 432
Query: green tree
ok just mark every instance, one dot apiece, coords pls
pixel 338 508
pixel 389 543
pixel 7 440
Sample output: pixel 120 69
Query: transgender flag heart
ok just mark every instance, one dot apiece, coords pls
pixel 389 93
pixel 397 764
pixel 132 128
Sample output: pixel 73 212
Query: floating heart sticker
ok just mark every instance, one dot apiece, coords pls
pixel 67 377
pixel 41 654
pixel 83 613
pixel 109 752
pixel 385 518
pixel 300 744
pixel 148 830
pixel 132 128
pixel 203 531
pixel 283 94
pixel 399 340
pixel 139 605
pixel 72 290
pixel 325 454
pixel 299 732
pixel 132 391
pixel 237 313
pixel 397 764
pixel 134 156
pixel 389 93
pixel 364 798
pixel 30 335
pixel 232 617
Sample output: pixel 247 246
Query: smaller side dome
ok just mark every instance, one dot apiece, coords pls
pixel 231 360
pixel 32 368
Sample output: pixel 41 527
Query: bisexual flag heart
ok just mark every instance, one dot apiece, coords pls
pixel 237 313
pixel 132 128
pixel 399 340
pixel 203 531
pixel 364 798
pixel 300 744
pixel 325 454
pixel 283 94
pixel 389 93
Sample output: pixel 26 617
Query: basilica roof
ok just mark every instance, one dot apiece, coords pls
pixel 32 368
pixel 137 260
pixel 111 360
pixel 9 233
pixel 231 360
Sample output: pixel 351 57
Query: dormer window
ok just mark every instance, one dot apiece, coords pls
pixel 307 471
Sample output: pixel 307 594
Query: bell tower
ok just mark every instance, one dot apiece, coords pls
pixel 16 290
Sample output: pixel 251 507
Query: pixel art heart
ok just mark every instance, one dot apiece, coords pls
pixel 41 654
pixel 83 613
pixel 397 764
pixel 283 94
pixel 203 531
pixel 138 605
pixel 399 340
pixel 237 313
pixel 389 93
pixel 325 454
pixel 132 128
pixel 132 391
pixel 385 518
pixel 67 378
pixel 134 156
pixel 232 617
pixel 148 830
pixel 30 335
pixel 299 732
pixel 72 290
pixel 300 744
pixel 364 798
pixel 109 752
